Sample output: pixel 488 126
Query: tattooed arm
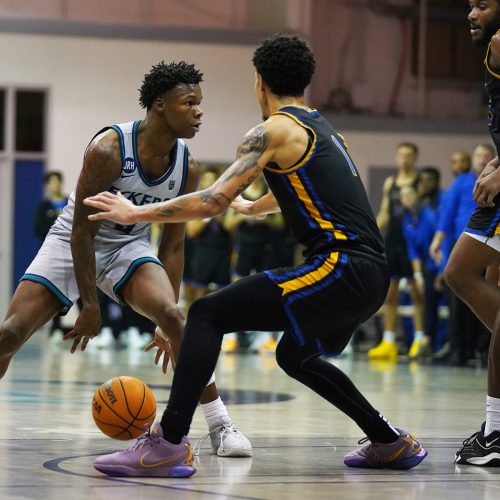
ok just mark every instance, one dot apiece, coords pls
pixel 253 154
pixel 101 166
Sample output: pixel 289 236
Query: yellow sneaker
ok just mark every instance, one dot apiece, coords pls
pixel 415 348
pixel 385 350
pixel 229 345
pixel 268 347
pixel 420 348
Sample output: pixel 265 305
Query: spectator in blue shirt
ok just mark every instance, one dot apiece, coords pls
pixel 419 225
pixel 464 329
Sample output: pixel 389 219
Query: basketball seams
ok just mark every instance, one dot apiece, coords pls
pixel 110 408
pixel 115 436
pixel 127 423
pixel 126 399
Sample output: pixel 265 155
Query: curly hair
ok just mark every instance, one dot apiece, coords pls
pixel 285 63
pixel 164 77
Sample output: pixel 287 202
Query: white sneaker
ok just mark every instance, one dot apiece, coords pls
pixel 104 339
pixel 228 441
pixel 57 336
pixel 134 339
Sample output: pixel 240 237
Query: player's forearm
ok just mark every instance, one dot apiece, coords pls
pixel 82 249
pixel 191 206
pixel 266 205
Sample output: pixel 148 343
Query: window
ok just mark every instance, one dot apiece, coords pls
pixel 30 120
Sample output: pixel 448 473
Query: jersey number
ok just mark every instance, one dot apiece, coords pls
pixel 346 156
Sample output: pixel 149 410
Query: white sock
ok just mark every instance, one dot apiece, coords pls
pixel 390 336
pixel 419 335
pixel 214 412
pixel 492 415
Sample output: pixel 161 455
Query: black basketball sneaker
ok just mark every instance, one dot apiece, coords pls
pixel 480 450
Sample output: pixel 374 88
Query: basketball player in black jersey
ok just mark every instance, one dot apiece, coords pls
pixel 317 304
pixel 477 252
pixel 390 220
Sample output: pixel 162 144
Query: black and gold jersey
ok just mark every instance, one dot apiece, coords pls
pixel 492 85
pixel 485 221
pixel 322 197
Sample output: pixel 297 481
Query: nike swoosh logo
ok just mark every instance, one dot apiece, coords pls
pixel 161 462
pixel 491 442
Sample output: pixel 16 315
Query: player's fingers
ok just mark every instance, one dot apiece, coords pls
pixel 85 341
pixel 97 216
pixel 172 359
pixel 150 346
pixel 74 347
pixel 164 365
pixel 70 335
pixel 488 199
pixel 96 203
pixel 158 355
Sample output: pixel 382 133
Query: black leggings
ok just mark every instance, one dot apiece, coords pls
pixel 254 303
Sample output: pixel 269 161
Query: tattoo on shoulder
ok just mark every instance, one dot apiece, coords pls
pixel 249 152
pixel 256 141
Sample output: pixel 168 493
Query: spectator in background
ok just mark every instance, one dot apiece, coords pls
pixel 390 221
pixel 430 195
pixel 253 238
pixel 464 329
pixel 419 225
pixel 46 214
pixel 212 247
pixel 461 163
pixel 51 206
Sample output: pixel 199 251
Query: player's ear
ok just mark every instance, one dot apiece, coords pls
pixel 159 104
pixel 259 82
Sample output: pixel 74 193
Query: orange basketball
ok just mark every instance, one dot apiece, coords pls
pixel 123 408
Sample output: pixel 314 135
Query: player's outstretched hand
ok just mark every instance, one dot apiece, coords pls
pixel 164 349
pixel 487 186
pixel 86 327
pixel 114 207
pixel 244 207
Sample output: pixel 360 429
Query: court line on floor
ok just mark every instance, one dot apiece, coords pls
pixel 53 465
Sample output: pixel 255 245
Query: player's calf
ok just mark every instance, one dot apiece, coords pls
pixel 11 340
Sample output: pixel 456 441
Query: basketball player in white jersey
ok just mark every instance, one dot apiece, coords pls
pixel 147 161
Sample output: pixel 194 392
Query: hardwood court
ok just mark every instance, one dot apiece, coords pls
pixel 48 438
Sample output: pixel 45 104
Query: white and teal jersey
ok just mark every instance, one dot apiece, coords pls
pixel 135 186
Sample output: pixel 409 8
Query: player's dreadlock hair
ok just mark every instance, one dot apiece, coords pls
pixel 164 77
pixel 285 63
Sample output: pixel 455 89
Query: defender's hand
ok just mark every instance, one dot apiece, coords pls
pixel 244 207
pixel 87 326
pixel 487 186
pixel 164 349
pixel 114 207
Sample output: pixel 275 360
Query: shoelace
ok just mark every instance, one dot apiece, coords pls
pixel 146 440
pixel 468 441
pixel 363 440
pixel 227 428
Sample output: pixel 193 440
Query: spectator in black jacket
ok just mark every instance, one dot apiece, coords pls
pixel 46 214
pixel 51 206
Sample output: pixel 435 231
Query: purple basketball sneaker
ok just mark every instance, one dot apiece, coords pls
pixel 404 453
pixel 151 456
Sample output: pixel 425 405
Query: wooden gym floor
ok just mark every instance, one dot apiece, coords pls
pixel 48 438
